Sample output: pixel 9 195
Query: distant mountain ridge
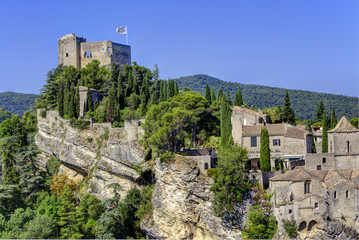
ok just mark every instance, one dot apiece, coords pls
pixel 303 102
pixel 17 103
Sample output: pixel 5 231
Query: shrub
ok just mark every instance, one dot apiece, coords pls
pixel 79 124
pixel 290 227
pixel 43 113
pixel 53 165
pixel 167 157
pixel 212 172
pixel 89 139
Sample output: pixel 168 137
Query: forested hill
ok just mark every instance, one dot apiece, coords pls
pixel 303 102
pixel 17 103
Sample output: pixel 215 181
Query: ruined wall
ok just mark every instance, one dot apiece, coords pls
pixel 104 153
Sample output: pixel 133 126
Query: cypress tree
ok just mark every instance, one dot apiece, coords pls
pixel 333 119
pixel 120 91
pixel 207 95
pixel 229 98
pixel 238 101
pixel 319 111
pixel 220 94
pixel 314 148
pixel 8 147
pixel 264 158
pixel 288 110
pixel 111 103
pixel 162 91
pixel 156 73
pixel 129 87
pixel 176 88
pixel 171 88
pixel 60 100
pixel 213 96
pixel 72 102
pixel 77 103
pixel 226 126
pixel 325 133
pixel 145 95
pixel 89 101
pixel 67 99
pixel 167 94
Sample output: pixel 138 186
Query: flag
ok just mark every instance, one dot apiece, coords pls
pixel 122 30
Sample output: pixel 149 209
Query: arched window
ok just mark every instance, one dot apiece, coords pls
pixel 206 166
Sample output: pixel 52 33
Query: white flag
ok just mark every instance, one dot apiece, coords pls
pixel 122 30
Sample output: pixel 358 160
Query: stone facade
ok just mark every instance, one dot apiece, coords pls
pixel 75 51
pixel 286 141
pixel 83 99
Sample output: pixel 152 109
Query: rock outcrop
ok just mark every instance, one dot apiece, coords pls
pixel 102 153
pixel 182 205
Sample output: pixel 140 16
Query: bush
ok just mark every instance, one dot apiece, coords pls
pixel 167 157
pixel 53 165
pixel 43 113
pixel 79 124
pixel 290 227
pixel 354 122
pixel 261 225
pixel 212 172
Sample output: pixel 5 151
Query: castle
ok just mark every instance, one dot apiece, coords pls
pixel 75 51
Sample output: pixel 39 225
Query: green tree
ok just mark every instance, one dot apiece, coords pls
pixel 72 107
pixel 14 127
pixel 220 94
pixel 229 98
pixel 208 94
pixel 60 100
pixel 121 91
pixel 261 224
pixel 16 223
pixel 319 111
pixel 156 73
pixel 77 103
pixel 8 147
pixel 333 119
pixel 238 101
pixel 230 182
pixel 89 100
pixel 41 227
pixel 226 126
pixel 264 159
pixel 112 103
pixel 67 99
pixel 128 209
pixel 289 115
pixel 176 88
pixel 213 96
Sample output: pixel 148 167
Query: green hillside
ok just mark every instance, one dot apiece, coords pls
pixel 303 102
pixel 17 103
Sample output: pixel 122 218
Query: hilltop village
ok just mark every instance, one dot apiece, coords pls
pixel 114 151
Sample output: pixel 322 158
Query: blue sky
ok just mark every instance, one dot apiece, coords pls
pixel 306 44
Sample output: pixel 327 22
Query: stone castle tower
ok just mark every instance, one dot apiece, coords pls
pixel 75 51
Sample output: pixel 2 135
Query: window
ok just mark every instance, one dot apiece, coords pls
pixel 335 194
pixel 348 146
pixel 103 49
pixel 206 166
pixel 87 54
pixel 315 138
pixel 108 49
pixel 306 187
pixel 347 193
pixel 324 160
pixel 316 205
pixel 290 211
pixel 276 142
pixel 67 54
pixel 331 147
pixel 319 167
pixel 253 141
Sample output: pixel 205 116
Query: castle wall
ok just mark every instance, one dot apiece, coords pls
pixel 326 161
pixel 121 54
pixel 101 51
pixel 338 142
pixel 69 50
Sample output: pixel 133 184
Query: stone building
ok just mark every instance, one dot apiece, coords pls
pixel 83 99
pixel 314 197
pixel 286 142
pixel 75 51
pixel 343 149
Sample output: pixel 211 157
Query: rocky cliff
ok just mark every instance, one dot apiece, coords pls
pixel 182 205
pixel 102 153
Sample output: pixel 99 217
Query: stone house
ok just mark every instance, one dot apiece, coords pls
pixel 343 149
pixel 75 51
pixel 287 142
pixel 314 197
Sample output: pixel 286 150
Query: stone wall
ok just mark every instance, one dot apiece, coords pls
pixel 104 153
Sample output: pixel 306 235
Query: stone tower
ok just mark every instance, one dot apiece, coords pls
pixel 75 51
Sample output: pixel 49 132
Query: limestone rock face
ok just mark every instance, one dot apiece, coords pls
pixel 104 153
pixel 182 205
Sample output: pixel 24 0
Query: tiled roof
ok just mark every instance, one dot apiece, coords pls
pixel 247 111
pixel 344 126
pixel 281 129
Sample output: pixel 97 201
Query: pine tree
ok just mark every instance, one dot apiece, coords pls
pixel 325 133
pixel 167 94
pixel 289 115
pixel 89 101
pixel 319 111
pixel 171 88
pixel 145 95
pixel 67 99
pixel 129 87
pixel 71 108
pixel 333 119
pixel 264 158
pixel 60 100
pixel 8 147
pixel 77 103
pixel 162 92
pixel 238 101
pixel 213 96
pixel 120 91
pixel 226 126
pixel 229 98
pixel 156 73
pixel 207 95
